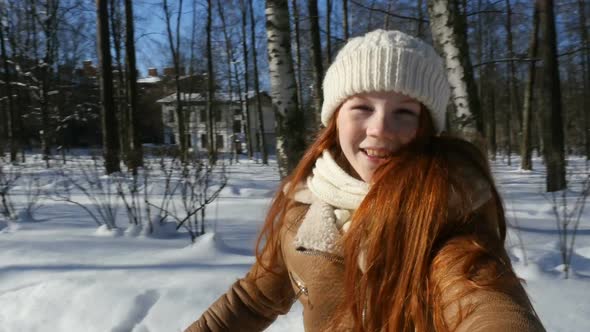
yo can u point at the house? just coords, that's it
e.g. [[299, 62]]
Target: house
[[230, 121]]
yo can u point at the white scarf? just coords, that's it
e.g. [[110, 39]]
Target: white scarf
[[336, 194]]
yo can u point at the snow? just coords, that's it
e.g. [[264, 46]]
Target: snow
[[149, 79], [60, 272]]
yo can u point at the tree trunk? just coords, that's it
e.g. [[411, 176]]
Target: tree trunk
[[174, 50], [246, 84], [386, 24], [299, 81], [120, 93], [318, 69], [136, 150], [291, 143], [525, 148], [586, 86], [514, 98], [345, 20], [11, 116], [448, 24], [420, 29], [230, 58], [110, 139], [261, 130], [212, 146], [50, 30], [328, 30], [552, 117]]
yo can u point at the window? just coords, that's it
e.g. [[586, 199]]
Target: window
[[170, 115], [189, 142], [203, 115], [237, 126], [219, 141], [217, 115], [237, 112], [204, 141]]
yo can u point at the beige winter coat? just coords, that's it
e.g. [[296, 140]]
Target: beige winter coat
[[315, 278]]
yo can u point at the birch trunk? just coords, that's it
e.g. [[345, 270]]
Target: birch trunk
[[525, 148], [289, 122], [447, 25], [552, 122]]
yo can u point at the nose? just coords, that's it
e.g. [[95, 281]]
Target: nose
[[378, 125]]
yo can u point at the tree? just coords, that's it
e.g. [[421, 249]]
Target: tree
[[525, 148], [135, 148], [318, 68], [299, 80], [291, 143], [109, 119], [244, 11], [552, 123], [262, 138], [448, 31], [11, 119], [345, 20], [174, 51], [586, 72], [212, 146]]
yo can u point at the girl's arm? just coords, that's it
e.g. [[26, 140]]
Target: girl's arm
[[251, 304]]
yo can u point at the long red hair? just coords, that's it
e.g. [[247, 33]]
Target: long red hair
[[417, 248]]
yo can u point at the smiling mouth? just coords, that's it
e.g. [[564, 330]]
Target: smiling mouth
[[377, 153]]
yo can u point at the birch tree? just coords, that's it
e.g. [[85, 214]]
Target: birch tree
[[291, 143], [448, 25]]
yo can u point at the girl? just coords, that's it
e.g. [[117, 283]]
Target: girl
[[384, 225]]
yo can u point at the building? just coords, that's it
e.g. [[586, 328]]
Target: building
[[230, 121]]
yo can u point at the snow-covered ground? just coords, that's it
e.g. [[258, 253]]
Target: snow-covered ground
[[61, 273]]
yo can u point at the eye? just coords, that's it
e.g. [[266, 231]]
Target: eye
[[361, 107], [405, 112]]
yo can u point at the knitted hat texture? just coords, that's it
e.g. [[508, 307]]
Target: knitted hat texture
[[387, 61]]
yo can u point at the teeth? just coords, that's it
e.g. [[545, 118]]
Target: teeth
[[377, 153]]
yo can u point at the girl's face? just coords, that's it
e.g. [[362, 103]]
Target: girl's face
[[372, 126]]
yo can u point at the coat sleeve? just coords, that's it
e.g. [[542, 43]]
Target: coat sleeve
[[253, 302], [500, 312]]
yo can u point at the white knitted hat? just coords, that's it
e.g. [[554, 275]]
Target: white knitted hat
[[388, 61]]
